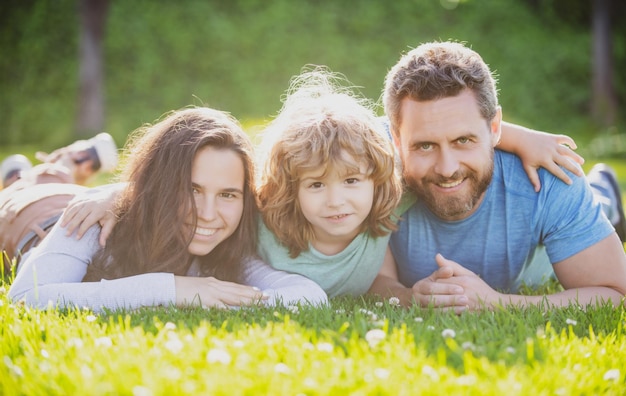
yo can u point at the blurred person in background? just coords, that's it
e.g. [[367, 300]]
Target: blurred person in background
[[34, 197]]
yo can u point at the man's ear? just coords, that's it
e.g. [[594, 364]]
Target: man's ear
[[395, 137], [496, 127]]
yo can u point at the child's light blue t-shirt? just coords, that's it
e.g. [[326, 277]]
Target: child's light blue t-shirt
[[350, 272]]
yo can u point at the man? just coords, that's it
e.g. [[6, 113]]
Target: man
[[33, 198], [478, 225]]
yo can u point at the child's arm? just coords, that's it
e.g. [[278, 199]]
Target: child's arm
[[283, 287], [540, 149], [94, 206]]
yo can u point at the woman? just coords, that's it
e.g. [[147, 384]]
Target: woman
[[186, 231]]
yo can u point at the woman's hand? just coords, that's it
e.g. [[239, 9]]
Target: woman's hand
[[211, 292]]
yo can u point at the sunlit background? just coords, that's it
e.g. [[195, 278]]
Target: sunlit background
[[239, 55]]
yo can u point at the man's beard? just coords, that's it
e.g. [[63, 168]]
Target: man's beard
[[457, 206]]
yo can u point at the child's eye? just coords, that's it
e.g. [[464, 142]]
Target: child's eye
[[352, 180], [316, 185]]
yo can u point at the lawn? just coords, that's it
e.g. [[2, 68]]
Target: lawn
[[354, 346]]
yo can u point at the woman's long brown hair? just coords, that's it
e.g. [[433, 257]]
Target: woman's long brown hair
[[149, 235]]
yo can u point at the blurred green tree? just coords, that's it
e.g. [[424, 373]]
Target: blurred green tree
[[90, 114]]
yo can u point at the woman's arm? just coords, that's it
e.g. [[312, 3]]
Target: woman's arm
[[540, 149], [52, 274], [282, 286]]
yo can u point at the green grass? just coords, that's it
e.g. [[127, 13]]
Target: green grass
[[355, 346], [291, 351]]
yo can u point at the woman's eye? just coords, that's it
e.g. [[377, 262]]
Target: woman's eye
[[195, 190]]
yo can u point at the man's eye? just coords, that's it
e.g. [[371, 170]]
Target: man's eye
[[426, 146], [463, 140]]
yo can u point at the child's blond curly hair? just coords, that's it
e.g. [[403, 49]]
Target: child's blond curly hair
[[319, 121]]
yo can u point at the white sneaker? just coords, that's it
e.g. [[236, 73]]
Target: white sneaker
[[603, 180]]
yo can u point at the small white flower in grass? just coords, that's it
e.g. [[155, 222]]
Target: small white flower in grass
[[571, 322], [611, 375], [310, 383], [86, 372], [3, 290], [16, 370], [510, 350], [90, 318], [75, 342], [541, 332], [468, 345], [170, 326], [448, 333], [369, 313], [429, 327], [282, 368], [379, 304], [142, 391], [325, 347], [430, 372], [395, 301], [466, 380], [239, 344], [378, 323], [381, 373], [375, 336], [293, 308], [419, 319], [45, 353], [50, 305], [218, 355], [174, 345], [104, 342]]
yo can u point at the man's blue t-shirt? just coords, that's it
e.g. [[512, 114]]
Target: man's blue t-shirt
[[503, 240]]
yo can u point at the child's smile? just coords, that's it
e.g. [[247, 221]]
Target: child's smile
[[335, 204]]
